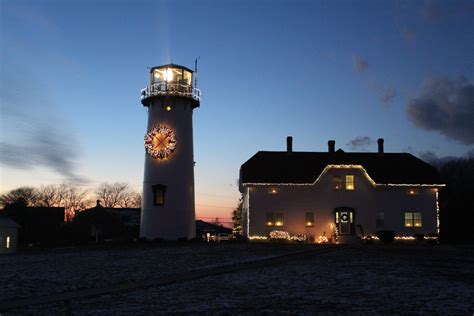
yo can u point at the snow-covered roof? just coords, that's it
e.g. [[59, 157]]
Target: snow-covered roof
[[7, 222]]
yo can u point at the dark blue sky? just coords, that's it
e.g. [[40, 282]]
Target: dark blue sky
[[71, 72]]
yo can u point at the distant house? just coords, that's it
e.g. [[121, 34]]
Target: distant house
[[38, 225], [334, 193], [8, 235], [204, 228], [100, 222]]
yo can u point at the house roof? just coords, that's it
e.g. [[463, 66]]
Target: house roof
[[281, 167], [7, 222]]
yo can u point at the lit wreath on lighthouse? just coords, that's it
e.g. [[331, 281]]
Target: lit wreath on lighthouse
[[160, 142], [168, 183]]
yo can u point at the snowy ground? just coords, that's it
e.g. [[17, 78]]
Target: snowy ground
[[415, 279]]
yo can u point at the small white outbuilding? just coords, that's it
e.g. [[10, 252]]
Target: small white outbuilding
[[8, 235]]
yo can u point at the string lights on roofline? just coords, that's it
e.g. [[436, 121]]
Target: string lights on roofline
[[360, 167]]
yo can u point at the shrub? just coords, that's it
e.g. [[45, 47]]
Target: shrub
[[279, 235], [385, 236], [419, 237], [299, 238]]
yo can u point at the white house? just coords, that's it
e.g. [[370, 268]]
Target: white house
[[8, 235], [338, 194]]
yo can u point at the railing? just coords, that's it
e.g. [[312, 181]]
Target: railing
[[166, 88]]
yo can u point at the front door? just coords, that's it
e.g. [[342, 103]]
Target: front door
[[344, 220]]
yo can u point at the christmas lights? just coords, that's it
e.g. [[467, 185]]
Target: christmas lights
[[360, 167], [279, 234], [437, 211], [160, 142], [299, 238], [257, 237]]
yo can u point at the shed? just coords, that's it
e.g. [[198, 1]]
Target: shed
[[8, 235]]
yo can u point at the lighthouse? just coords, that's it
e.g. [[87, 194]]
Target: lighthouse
[[168, 183]]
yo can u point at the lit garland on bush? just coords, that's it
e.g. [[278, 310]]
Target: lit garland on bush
[[257, 237], [279, 234], [323, 239], [160, 142], [299, 238], [403, 238]]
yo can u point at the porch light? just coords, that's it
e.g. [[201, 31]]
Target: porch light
[[168, 108], [278, 223], [309, 224], [269, 223]]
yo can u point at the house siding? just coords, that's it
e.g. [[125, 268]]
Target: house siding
[[321, 199]]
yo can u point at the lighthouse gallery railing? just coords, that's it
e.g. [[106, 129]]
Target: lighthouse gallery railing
[[165, 88]]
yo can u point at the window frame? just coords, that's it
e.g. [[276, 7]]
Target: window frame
[[336, 179], [279, 219], [379, 220], [413, 220], [309, 220], [347, 182], [157, 188], [270, 219]]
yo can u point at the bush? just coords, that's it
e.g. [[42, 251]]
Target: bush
[[419, 237], [385, 236], [279, 235]]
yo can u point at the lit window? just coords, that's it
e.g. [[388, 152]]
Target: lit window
[[309, 219], [379, 220], [413, 219], [337, 183], [417, 219], [350, 182], [270, 221], [279, 219], [413, 191], [8, 241], [159, 191]]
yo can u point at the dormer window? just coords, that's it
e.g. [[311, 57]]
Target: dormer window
[[336, 183], [350, 182]]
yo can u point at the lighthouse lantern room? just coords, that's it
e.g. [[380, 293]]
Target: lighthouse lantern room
[[168, 185]]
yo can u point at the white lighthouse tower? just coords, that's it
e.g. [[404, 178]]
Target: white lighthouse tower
[[168, 184]]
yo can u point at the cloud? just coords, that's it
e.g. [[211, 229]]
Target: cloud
[[358, 64], [386, 94], [445, 106], [33, 131], [360, 142], [408, 34], [438, 11], [431, 10], [433, 159]]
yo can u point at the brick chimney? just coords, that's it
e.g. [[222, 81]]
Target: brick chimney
[[380, 143], [331, 146], [289, 145]]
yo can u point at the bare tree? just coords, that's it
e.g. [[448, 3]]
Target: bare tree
[[69, 196], [49, 196], [26, 195], [74, 199], [116, 195], [136, 200]]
